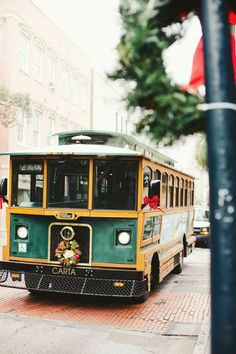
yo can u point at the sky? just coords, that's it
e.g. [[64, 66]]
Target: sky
[[93, 25]]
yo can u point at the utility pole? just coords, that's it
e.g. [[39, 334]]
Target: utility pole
[[221, 136]]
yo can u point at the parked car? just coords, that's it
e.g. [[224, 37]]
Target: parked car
[[201, 226]]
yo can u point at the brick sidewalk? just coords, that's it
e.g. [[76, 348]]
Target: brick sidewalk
[[181, 299]]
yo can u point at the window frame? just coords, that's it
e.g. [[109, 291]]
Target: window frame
[[38, 63], [33, 181], [21, 127], [65, 83], [37, 127], [24, 52]]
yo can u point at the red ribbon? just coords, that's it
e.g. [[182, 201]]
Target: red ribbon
[[1, 202], [153, 202]]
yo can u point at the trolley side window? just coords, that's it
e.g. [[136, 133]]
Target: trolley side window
[[27, 183]]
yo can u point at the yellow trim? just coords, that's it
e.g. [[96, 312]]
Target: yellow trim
[[146, 242], [150, 240], [6, 248], [156, 238], [90, 191], [171, 253], [10, 184], [45, 176], [75, 213], [139, 256], [113, 214], [150, 250], [140, 185], [150, 213], [27, 211], [32, 260], [112, 265]]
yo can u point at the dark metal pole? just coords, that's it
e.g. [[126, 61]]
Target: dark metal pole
[[221, 136]]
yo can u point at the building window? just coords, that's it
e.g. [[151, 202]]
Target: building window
[[37, 128], [38, 65], [75, 91], [52, 73], [64, 84], [84, 97], [51, 130], [24, 53], [21, 127]]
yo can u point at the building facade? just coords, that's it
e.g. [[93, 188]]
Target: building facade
[[38, 59]]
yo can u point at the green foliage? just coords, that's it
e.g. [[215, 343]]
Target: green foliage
[[149, 27], [10, 103]]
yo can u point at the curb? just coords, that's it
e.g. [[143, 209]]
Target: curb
[[202, 345]]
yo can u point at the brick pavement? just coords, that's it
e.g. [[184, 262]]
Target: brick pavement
[[180, 299]]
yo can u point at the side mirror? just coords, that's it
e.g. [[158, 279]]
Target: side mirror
[[207, 214], [154, 188], [3, 187]]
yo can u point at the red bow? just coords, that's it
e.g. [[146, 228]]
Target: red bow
[[153, 202]]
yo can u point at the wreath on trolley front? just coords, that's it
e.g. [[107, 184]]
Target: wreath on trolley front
[[68, 253]]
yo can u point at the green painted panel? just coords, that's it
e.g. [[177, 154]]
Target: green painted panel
[[104, 238], [104, 247], [36, 245]]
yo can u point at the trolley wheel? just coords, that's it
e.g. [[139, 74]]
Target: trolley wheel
[[155, 269], [179, 268]]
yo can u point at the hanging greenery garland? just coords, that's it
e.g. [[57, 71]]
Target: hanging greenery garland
[[150, 27]]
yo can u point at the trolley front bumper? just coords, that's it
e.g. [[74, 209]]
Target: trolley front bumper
[[73, 280]]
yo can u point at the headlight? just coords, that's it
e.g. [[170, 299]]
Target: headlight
[[67, 233], [22, 232], [204, 229], [124, 238]]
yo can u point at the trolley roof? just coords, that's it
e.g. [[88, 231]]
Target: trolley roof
[[76, 149], [108, 138], [98, 144]]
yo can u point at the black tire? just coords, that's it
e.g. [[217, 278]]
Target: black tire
[[154, 273], [179, 268], [185, 244]]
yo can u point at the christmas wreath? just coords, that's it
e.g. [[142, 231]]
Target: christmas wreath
[[68, 253]]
